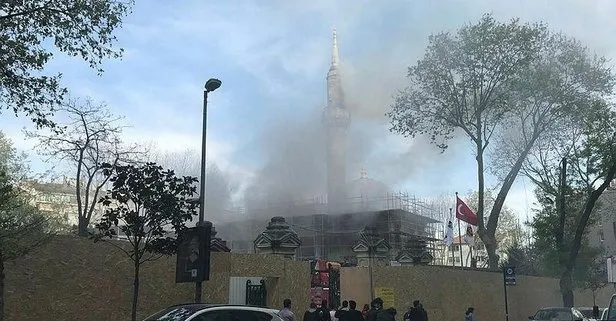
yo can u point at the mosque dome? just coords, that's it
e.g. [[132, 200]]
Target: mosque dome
[[368, 194]]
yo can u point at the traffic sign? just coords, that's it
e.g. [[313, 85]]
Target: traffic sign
[[509, 275]]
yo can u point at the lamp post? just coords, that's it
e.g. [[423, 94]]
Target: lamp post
[[210, 85]]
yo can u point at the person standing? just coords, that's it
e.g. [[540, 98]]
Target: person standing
[[410, 314], [470, 314], [286, 314], [340, 313], [422, 314], [324, 311], [377, 307], [332, 312], [388, 314], [353, 314], [311, 314], [365, 310]]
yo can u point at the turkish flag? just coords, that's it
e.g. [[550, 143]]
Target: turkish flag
[[464, 213]]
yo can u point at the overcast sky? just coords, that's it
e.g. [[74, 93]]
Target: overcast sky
[[272, 57]]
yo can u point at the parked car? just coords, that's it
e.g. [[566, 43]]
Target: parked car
[[558, 314], [213, 312], [611, 309], [587, 312], [604, 314]]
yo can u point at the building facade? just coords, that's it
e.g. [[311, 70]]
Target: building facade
[[603, 233], [58, 198]]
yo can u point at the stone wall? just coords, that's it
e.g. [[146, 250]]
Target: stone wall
[[447, 292], [75, 279]]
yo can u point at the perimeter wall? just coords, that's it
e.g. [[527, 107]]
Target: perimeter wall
[[447, 292], [75, 279]]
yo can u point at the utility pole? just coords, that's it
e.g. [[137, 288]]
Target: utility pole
[[211, 85], [561, 204]]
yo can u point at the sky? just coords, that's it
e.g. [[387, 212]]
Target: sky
[[273, 56]]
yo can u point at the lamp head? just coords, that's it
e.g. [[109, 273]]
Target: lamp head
[[212, 84]]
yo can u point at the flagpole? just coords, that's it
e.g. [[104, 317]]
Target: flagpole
[[471, 249], [453, 254], [459, 235], [460, 246]]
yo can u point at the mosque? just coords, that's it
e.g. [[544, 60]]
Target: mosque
[[328, 227]]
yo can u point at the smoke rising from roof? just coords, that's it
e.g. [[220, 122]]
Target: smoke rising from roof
[[295, 146], [220, 184]]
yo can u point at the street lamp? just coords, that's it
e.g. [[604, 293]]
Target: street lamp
[[210, 85]]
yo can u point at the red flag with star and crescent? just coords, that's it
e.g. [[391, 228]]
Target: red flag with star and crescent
[[464, 213]]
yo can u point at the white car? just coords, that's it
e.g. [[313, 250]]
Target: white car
[[558, 314], [213, 312], [587, 312]]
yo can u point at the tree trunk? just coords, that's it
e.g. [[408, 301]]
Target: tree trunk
[[82, 226], [499, 203], [491, 249], [1, 286], [135, 291], [566, 288], [487, 238]]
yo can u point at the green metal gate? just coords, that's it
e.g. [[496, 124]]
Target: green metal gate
[[256, 294], [334, 286]]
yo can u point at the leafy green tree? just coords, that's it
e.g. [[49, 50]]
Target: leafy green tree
[[488, 81], [526, 259], [596, 278], [80, 28], [23, 227], [150, 206], [571, 171]]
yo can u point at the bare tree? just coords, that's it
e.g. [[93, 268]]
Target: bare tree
[[90, 137]]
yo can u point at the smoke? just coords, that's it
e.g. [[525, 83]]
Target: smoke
[[295, 166], [220, 184], [294, 148]]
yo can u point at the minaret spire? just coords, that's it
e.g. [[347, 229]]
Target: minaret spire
[[335, 55], [336, 119]]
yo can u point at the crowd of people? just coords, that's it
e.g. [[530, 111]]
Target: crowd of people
[[349, 312]]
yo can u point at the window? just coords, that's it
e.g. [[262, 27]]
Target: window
[[233, 315], [173, 314], [611, 314]]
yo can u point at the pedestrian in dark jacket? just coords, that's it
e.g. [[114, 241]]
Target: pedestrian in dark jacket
[[376, 307], [386, 315], [423, 314], [410, 314], [470, 314], [312, 314], [352, 314], [365, 310], [340, 312], [324, 311]]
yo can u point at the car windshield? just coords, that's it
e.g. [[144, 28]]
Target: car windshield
[[587, 313], [553, 315], [179, 313]]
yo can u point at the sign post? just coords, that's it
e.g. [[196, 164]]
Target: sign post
[[508, 280], [193, 256]]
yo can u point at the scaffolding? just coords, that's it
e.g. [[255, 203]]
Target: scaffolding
[[331, 234]]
